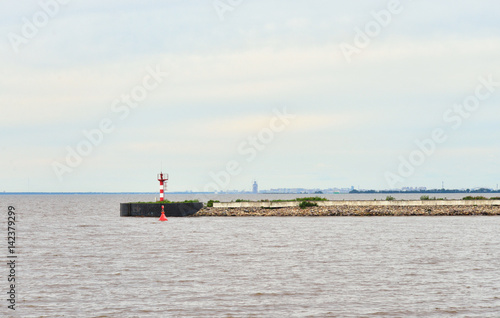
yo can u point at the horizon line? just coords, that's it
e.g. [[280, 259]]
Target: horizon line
[[354, 191]]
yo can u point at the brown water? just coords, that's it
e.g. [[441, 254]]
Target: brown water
[[78, 258]]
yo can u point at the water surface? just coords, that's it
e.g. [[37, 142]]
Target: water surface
[[78, 258]]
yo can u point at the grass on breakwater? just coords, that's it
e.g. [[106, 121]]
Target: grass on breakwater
[[427, 198], [311, 199], [288, 200], [480, 198], [307, 204], [304, 202]]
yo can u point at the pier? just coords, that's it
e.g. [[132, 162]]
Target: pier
[[365, 203], [356, 208]]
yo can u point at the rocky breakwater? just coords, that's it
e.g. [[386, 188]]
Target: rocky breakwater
[[353, 211]]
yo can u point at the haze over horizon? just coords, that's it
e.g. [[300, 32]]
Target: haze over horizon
[[99, 97]]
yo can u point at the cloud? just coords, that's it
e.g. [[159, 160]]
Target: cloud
[[227, 77]]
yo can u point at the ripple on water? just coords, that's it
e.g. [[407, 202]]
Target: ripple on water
[[107, 266]]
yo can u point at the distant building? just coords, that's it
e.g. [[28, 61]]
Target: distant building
[[255, 187], [413, 189]]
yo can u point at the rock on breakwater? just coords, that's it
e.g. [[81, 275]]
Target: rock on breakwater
[[353, 211]]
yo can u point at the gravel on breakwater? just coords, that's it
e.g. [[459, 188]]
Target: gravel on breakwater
[[353, 211]]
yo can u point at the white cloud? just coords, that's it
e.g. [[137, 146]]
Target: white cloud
[[226, 77]]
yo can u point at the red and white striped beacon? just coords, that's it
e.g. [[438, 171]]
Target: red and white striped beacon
[[163, 184]]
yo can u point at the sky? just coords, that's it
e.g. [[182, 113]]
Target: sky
[[101, 96]]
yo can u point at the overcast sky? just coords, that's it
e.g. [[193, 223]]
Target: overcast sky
[[100, 96]]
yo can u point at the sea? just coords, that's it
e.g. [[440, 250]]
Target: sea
[[75, 256]]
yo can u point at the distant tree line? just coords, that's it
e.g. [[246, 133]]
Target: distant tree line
[[481, 190]]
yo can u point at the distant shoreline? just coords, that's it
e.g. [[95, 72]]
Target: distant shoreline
[[92, 193], [355, 192]]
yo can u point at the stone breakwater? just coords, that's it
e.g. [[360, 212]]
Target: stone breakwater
[[353, 211]]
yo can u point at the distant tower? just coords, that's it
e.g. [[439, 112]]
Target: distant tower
[[163, 184], [255, 187]]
